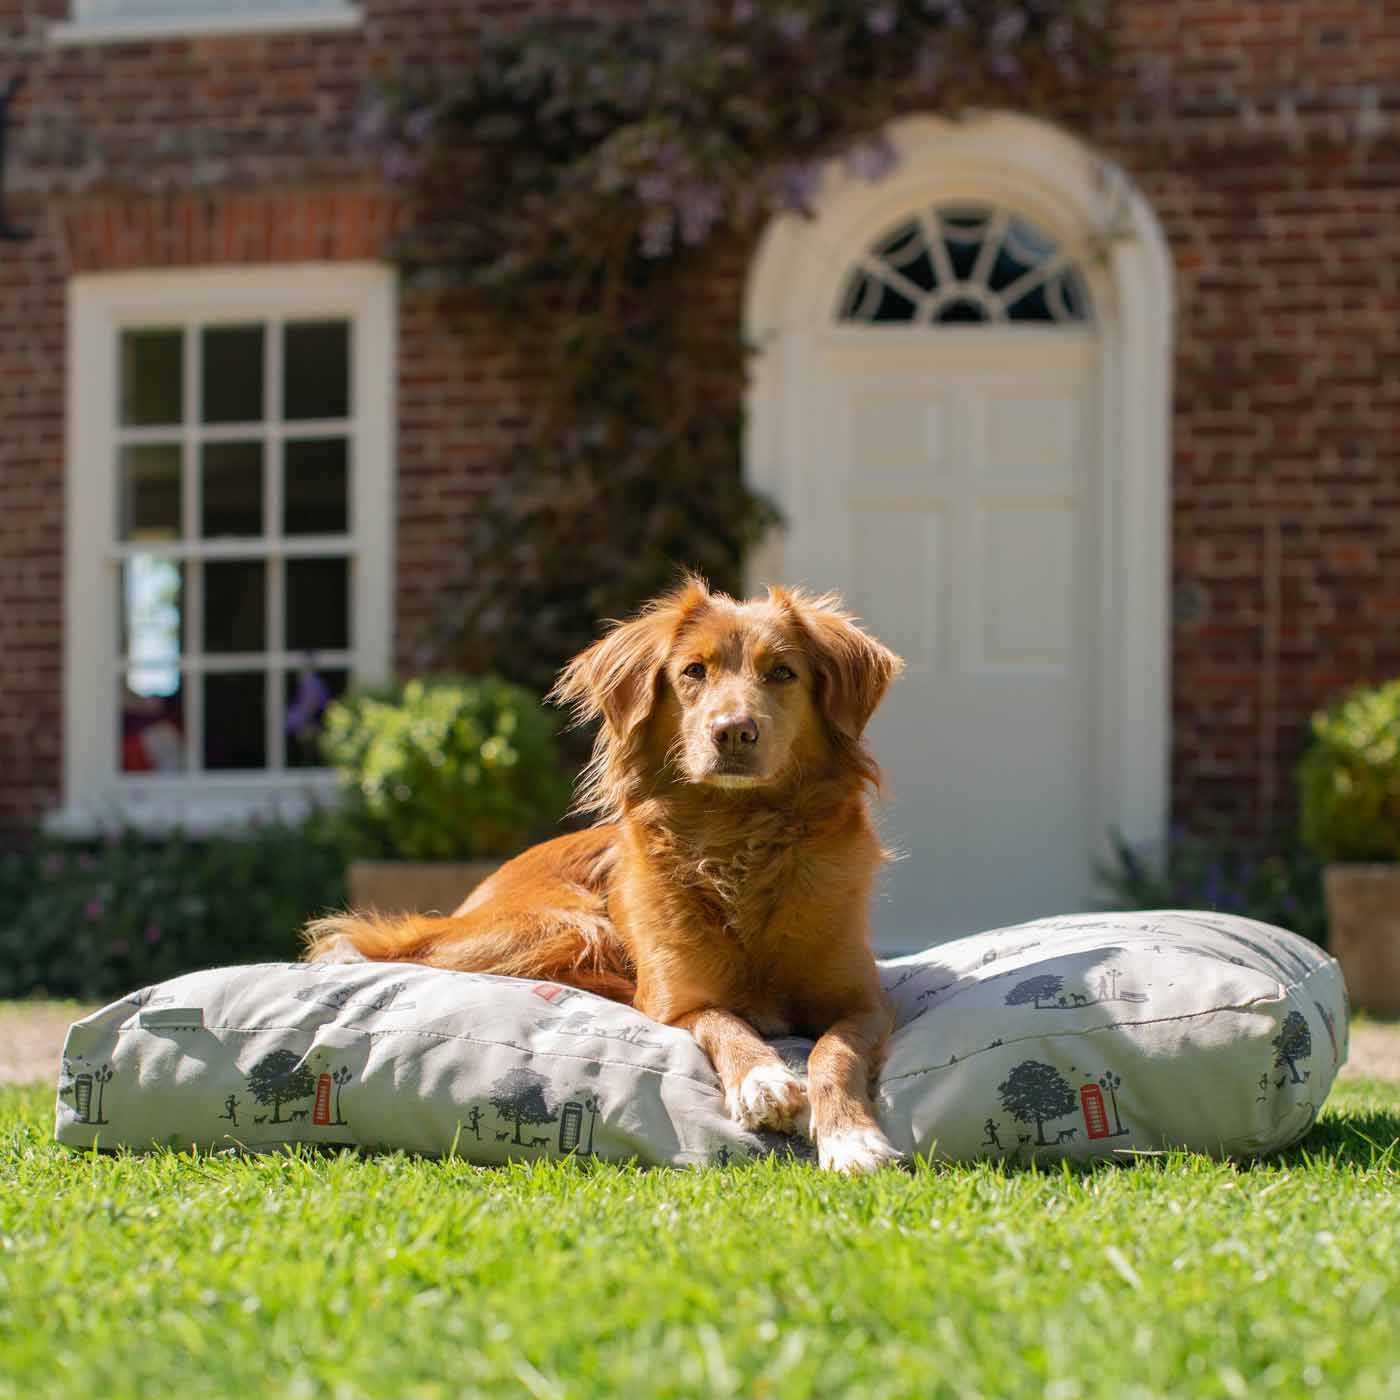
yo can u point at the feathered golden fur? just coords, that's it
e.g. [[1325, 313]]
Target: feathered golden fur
[[726, 889]]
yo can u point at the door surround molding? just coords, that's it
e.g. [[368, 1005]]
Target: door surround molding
[[1094, 211]]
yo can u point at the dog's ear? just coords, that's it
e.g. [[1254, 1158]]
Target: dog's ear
[[617, 676], [853, 670]]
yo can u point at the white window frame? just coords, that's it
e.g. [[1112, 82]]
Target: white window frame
[[118, 21], [97, 794]]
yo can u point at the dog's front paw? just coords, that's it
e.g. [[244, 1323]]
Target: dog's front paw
[[770, 1096], [855, 1150]]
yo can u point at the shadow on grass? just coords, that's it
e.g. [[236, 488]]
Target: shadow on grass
[[1367, 1138]]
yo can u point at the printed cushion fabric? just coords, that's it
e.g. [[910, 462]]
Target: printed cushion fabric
[[1086, 1036]]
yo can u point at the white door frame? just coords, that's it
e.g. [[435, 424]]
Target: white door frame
[[1095, 214]]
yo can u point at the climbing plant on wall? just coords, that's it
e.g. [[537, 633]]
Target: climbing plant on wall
[[585, 182]]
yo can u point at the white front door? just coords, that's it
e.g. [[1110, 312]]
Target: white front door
[[950, 492]]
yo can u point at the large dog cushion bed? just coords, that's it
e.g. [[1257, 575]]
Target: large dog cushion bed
[[1088, 1036]]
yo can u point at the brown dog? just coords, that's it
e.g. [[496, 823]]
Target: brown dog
[[727, 892]]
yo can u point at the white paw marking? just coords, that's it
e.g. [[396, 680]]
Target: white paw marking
[[337, 950], [770, 1096], [855, 1150]]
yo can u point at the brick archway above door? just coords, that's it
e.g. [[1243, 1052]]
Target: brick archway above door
[[990, 491]]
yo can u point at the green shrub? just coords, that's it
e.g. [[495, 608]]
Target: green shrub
[[1350, 778], [449, 769], [1204, 872], [94, 919]]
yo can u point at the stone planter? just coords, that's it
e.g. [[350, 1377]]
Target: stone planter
[[415, 886], [1363, 933]]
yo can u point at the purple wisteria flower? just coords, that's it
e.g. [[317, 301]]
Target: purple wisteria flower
[[658, 234], [873, 160], [882, 19], [797, 186], [701, 208], [93, 910], [418, 125], [153, 934], [793, 25]]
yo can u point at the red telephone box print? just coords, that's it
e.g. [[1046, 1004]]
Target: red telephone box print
[[1095, 1112], [322, 1114]]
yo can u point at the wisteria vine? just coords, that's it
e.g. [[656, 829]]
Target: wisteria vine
[[581, 182]]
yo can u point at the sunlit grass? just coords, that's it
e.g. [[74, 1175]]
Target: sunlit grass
[[346, 1276]]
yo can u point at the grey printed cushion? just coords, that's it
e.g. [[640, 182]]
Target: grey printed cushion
[[1086, 1036]]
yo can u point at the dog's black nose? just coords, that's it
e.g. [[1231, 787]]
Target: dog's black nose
[[730, 731]]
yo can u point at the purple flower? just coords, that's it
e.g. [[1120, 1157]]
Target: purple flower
[[882, 19], [371, 123], [798, 185], [658, 233], [873, 160], [53, 864], [792, 25], [1009, 27], [399, 165], [419, 125], [93, 909], [153, 934], [701, 208], [653, 188]]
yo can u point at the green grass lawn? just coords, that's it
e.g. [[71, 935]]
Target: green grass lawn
[[393, 1276]]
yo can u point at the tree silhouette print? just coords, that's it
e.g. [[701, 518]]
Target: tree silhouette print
[[1035, 1093], [1036, 990], [102, 1077], [1293, 1042], [279, 1078], [521, 1097], [340, 1079]]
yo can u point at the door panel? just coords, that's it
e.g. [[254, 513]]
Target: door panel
[[952, 498]]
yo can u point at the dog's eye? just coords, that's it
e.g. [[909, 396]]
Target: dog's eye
[[696, 671], [781, 673]]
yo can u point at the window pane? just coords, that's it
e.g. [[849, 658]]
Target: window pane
[[318, 604], [235, 720], [234, 613], [308, 692], [315, 496], [153, 376], [232, 489], [152, 610], [233, 374], [316, 370], [152, 721], [150, 492]]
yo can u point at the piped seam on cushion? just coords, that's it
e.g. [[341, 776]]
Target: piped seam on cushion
[[701, 1084], [1095, 1030]]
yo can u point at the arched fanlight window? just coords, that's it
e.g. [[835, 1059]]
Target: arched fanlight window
[[965, 263]]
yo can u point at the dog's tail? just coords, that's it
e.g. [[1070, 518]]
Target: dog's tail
[[571, 946]]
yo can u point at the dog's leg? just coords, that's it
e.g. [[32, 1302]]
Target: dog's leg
[[760, 1091], [838, 1077]]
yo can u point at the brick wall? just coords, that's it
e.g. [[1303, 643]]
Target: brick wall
[[1264, 134]]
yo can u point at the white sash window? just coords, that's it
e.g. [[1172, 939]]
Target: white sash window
[[229, 509]]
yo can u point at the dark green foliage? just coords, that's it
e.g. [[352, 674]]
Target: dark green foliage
[[1350, 778], [584, 182], [98, 918], [1205, 872], [449, 769]]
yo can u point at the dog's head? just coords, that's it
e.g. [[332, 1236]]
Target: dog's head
[[704, 693]]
